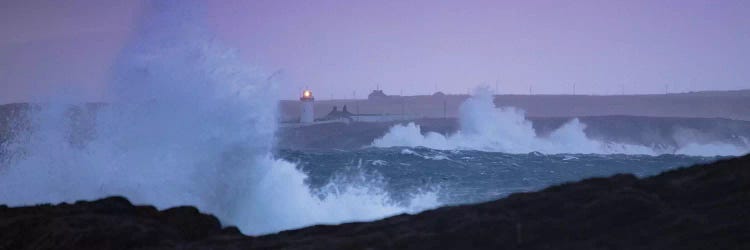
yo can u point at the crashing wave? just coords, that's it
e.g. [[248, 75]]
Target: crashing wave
[[188, 124], [487, 128]]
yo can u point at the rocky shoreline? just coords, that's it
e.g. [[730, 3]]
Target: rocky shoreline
[[699, 207]]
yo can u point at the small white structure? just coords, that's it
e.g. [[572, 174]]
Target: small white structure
[[307, 114]]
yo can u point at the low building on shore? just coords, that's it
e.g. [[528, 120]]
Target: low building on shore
[[307, 113]]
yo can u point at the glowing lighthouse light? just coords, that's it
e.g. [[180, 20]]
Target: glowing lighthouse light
[[307, 114]]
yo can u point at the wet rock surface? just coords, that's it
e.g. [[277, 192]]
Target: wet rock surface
[[700, 207]]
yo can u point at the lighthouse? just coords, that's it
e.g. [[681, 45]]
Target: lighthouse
[[307, 115]]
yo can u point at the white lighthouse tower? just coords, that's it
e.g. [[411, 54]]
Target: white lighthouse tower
[[307, 115]]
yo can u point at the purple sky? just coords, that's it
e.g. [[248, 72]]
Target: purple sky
[[337, 47]]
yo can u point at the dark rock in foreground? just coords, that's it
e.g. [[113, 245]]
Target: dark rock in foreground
[[110, 223], [701, 207]]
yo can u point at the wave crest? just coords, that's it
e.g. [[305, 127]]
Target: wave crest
[[505, 129]]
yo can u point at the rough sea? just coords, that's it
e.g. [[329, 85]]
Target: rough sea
[[470, 176], [187, 122]]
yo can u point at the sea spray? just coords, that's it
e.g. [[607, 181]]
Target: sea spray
[[484, 127], [187, 124], [487, 128]]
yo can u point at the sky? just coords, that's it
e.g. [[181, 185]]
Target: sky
[[341, 49]]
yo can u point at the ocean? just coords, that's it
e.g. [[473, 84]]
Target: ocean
[[470, 176], [187, 122]]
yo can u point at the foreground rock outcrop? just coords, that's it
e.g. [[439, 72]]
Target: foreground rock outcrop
[[700, 207]]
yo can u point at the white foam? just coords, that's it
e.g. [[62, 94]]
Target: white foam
[[379, 163], [506, 129]]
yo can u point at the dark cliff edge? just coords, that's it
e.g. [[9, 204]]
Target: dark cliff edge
[[699, 207]]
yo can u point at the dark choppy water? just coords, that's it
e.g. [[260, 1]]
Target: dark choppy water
[[473, 176]]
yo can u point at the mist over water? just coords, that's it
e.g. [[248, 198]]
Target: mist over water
[[188, 124], [485, 127]]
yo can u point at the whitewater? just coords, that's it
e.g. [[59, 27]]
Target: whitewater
[[187, 124], [485, 127]]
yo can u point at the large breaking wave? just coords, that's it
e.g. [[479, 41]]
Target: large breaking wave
[[188, 124], [485, 127]]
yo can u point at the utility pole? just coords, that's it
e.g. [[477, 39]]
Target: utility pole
[[574, 89]]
